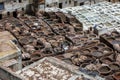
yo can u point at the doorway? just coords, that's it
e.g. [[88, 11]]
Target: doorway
[[75, 3], [20, 1], [60, 5], [8, 13], [82, 3], [0, 16], [15, 14]]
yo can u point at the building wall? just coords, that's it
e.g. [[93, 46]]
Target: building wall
[[65, 3], [12, 5], [80, 1], [51, 1]]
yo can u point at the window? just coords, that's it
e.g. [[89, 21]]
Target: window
[[1, 6], [60, 5], [15, 13], [69, 1], [14, 1], [47, 5], [75, 3], [20, 1], [66, 2], [8, 13], [0, 16], [82, 3], [23, 9]]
